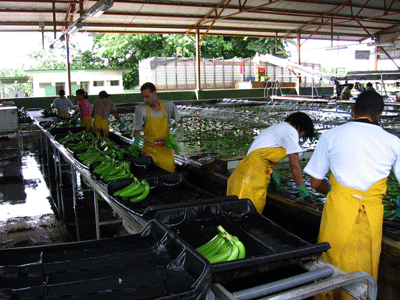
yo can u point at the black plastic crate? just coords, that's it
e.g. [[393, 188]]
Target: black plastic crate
[[268, 246], [391, 229], [154, 264], [145, 167], [165, 191]]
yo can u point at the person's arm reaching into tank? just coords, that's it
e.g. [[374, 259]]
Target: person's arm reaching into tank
[[297, 174]]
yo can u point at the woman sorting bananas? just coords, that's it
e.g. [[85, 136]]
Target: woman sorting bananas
[[251, 177]]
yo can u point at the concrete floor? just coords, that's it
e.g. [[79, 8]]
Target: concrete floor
[[28, 216]]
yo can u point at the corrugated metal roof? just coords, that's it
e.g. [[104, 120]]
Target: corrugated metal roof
[[353, 20]]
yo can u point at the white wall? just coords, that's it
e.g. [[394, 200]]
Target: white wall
[[77, 77]]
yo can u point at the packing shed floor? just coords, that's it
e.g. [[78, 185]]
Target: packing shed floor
[[28, 216]]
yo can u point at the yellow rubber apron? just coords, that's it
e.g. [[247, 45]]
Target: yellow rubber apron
[[63, 114], [252, 175], [87, 121], [353, 228], [100, 124], [156, 131]]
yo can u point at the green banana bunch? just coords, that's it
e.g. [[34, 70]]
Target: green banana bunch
[[89, 153], [69, 137], [133, 150], [121, 172], [104, 165], [222, 247], [391, 209], [82, 145], [134, 192], [85, 135], [98, 156]]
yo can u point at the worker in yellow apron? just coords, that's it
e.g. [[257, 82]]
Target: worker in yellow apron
[[153, 117], [360, 156], [85, 109], [62, 104], [359, 230], [156, 131], [102, 109], [252, 175]]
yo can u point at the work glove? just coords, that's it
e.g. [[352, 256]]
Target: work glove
[[275, 178], [303, 191], [171, 143], [136, 140], [179, 133], [122, 124]]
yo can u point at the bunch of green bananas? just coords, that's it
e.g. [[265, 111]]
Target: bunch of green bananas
[[82, 145], [85, 135], [113, 170], [93, 154], [133, 150], [69, 137], [391, 209], [222, 247], [134, 192]]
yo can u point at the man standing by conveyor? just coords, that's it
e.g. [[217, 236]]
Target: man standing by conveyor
[[153, 117], [360, 156]]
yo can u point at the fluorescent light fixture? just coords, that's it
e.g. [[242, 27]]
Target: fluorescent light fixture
[[380, 44], [336, 48], [99, 8], [95, 11], [73, 28]]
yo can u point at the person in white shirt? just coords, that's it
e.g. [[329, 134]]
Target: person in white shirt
[[369, 87], [63, 104], [359, 156], [252, 175]]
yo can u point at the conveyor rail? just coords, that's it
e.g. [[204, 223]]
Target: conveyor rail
[[352, 283]]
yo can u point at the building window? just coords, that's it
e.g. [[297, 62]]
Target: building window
[[85, 85], [98, 83], [42, 85], [114, 82]]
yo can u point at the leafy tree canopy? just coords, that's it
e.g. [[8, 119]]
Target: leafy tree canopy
[[126, 50]]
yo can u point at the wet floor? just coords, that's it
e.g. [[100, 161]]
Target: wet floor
[[28, 199]]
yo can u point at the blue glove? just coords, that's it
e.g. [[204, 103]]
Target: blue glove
[[275, 178], [303, 191], [122, 123], [136, 140]]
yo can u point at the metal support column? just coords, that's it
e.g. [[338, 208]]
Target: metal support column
[[74, 190]]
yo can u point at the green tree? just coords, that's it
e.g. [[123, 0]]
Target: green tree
[[125, 51], [25, 87]]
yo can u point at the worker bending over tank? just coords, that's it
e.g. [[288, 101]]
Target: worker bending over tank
[[359, 156], [63, 104], [102, 109], [153, 117], [251, 177]]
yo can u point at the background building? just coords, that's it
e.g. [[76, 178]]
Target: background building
[[49, 82]]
